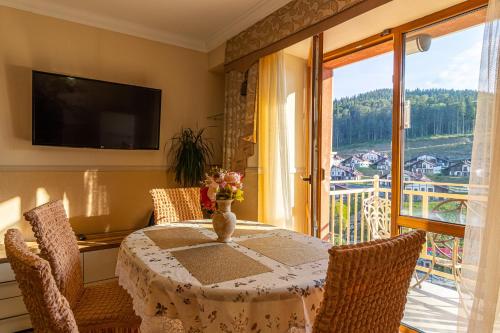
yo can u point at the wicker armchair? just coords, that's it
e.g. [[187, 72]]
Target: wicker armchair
[[49, 310], [176, 204], [102, 307], [366, 285]]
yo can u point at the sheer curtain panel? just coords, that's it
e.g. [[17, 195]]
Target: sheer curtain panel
[[275, 181], [480, 278]]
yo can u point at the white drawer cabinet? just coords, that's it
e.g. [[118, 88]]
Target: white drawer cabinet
[[9, 289], [13, 314], [15, 324], [6, 273], [97, 266], [12, 307]]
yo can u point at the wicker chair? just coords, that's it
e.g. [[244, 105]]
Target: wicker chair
[[366, 285], [49, 310], [101, 307], [377, 213], [176, 204]]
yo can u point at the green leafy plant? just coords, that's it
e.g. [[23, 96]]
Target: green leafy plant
[[191, 154]]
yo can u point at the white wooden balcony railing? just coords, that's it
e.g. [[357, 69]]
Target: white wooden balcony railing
[[349, 225]]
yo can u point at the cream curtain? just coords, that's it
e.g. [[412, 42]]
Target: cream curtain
[[239, 118], [275, 179], [480, 283]]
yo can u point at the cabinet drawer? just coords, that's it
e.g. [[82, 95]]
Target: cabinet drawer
[[6, 273], [99, 265], [11, 307], [9, 289], [15, 324]]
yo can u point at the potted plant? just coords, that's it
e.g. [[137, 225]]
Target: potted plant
[[191, 154]]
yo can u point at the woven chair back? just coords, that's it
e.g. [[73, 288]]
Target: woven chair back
[[49, 310], [58, 244], [367, 284], [176, 204]]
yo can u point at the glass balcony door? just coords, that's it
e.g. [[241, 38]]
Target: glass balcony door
[[439, 94], [358, 89]]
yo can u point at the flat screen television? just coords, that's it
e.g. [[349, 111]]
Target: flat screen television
[[77, 112]]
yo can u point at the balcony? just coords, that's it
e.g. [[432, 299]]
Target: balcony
[[433, 298]]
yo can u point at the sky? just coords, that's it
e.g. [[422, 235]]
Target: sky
[[452, 62]]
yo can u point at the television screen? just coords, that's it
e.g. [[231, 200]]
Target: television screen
[[77, 112]]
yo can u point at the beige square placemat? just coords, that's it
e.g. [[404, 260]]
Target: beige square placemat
[[218, 263], [284, 250], [170, 238]]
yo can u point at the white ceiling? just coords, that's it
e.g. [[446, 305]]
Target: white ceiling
[[196, 24], [389, 15]]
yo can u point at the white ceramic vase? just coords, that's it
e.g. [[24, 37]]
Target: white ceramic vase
[[224, 221]]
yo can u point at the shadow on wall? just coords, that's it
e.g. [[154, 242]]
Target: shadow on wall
[[96, 201]]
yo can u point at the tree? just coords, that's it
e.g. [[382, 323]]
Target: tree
[[367, 117]]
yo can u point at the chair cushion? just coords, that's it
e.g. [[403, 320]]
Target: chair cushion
[[105, 305]]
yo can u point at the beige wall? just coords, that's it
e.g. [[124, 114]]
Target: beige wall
[[190, 92], [97, 201], [216, 58]]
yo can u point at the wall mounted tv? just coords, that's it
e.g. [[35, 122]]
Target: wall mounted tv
[[76, 112]]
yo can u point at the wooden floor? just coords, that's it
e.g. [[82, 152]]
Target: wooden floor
[[432, 309]]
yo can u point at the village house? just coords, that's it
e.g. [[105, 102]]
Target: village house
[[423, 167], [383, 164], [371, 156], [439, 161], [344, 173], [460, 169], [355, 162], [335, 159]]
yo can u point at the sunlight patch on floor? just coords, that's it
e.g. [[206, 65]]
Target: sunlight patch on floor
[[432, 309]]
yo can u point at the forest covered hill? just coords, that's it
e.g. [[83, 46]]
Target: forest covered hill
[[367, 117]]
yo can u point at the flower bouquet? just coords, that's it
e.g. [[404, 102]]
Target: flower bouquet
[[220, 185], [218, 191]]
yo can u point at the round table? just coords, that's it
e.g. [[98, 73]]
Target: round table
[[169, 298]]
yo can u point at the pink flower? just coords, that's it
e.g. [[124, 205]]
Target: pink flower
[[232, 178], [222, 184]]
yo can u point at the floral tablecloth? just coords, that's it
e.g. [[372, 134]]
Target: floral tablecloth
[[169, 299]]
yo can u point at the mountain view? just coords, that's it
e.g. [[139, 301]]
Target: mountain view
[[441, 122]]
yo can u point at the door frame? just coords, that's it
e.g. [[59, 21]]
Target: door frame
[[316, 175]]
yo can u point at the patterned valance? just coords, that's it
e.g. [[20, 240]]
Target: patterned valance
[[289, 19]]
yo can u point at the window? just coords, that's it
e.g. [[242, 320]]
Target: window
[[441, 74], [422, 181]]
